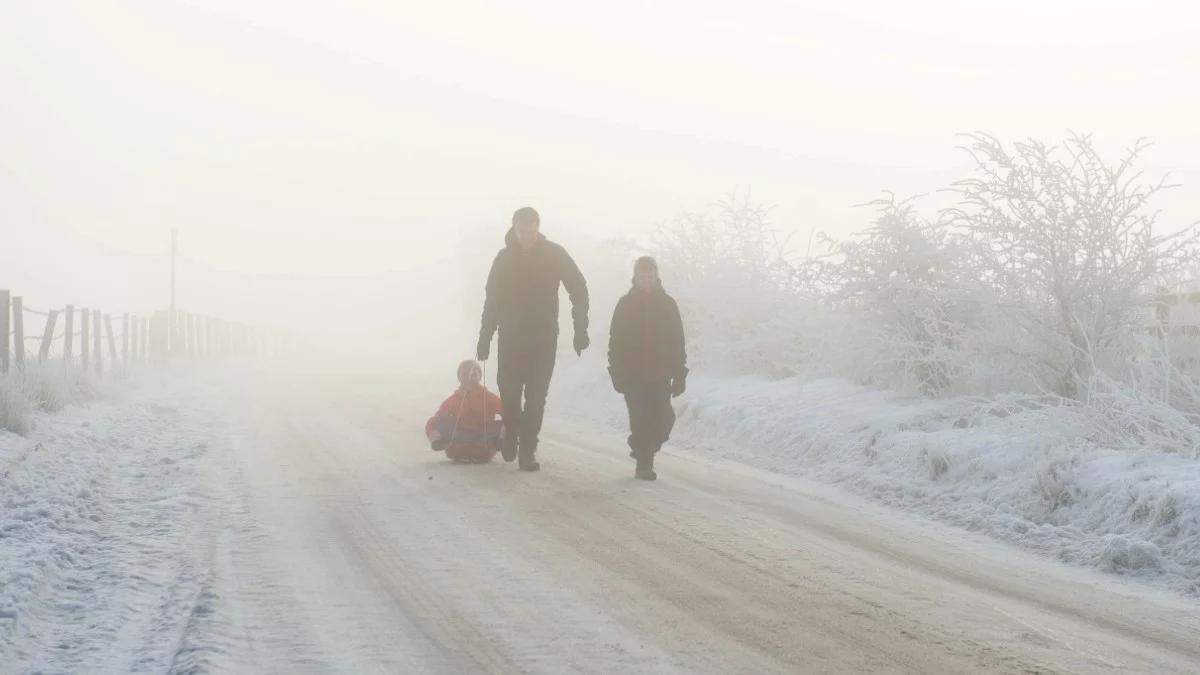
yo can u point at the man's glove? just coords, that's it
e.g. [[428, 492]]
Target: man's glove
[[483, 349], [582, 342], [678, 385]]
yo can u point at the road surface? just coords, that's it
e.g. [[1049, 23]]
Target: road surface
[[345, 544]]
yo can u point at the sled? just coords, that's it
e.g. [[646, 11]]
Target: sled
[[473, 453]]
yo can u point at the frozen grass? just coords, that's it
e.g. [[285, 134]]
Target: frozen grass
[[46, 387], [16, 403]]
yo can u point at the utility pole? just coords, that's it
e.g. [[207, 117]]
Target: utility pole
[[171, 333]]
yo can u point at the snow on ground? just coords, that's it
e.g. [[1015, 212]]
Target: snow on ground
[[103, 535], [1030, 478], [241, 521]]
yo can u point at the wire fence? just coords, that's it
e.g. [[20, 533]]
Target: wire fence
[[96, 341]]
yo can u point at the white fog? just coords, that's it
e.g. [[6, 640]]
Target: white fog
[[907, 377]]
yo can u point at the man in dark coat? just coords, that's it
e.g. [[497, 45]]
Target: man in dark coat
[[648, 362], [522, 303]]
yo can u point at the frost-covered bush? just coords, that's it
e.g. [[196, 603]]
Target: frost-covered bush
[[908, 283], [1040, 276], [1038, 283], [1069, 243]]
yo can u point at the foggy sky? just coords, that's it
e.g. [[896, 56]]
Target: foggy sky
[[332, 161]]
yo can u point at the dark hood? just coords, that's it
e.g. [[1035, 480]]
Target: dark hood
[[510, 239], [658, 287]]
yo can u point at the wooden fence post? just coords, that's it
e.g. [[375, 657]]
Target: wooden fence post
[[85, 338], [152, 337], [125, 340], [181, 328], [173, 332], [155, 330], [69, 335], [112, 344], [193, 346], [193, 336], [184, 346], [148, 334], [48, 336], [96, 338], [189, 339], [164, 335], [4, 303], [18, 321]]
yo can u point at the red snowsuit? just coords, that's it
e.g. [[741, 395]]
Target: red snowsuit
[[467, 419]]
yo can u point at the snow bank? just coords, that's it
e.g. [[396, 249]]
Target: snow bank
[[102, 558], [1026, 475]]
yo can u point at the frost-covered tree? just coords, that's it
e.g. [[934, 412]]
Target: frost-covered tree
[[734, 241], [907, 279], [1069, 239]]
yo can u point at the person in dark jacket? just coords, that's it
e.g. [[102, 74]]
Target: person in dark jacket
[[522, 304], [648, 362]]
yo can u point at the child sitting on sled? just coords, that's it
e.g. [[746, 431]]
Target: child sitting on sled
[[465, 426]]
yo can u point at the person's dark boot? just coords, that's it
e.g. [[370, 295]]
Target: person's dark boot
[[509, 449], [645, 467], [528, 461]]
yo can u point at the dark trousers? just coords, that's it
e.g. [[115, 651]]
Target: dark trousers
[[524, 371], [651, 416]]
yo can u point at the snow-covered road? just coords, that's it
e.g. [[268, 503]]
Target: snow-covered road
[[324, 536]]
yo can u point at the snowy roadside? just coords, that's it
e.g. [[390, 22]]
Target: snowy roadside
[[1029, 477], [104, 548]]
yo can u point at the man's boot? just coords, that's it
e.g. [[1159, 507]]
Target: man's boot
[[645, 467], [528, 460]]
